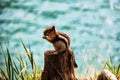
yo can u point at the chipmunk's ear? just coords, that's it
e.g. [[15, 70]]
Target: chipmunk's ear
[[53, 27]]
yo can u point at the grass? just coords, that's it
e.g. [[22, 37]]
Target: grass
[[14, 72], [112, 68]]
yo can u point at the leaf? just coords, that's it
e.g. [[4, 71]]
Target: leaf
[[24, 46], [109, 66], [111, 59], [118, 70], [3, 73], [8, 62], [16, 68]]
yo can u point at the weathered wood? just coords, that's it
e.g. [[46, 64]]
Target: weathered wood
[[58, 66]]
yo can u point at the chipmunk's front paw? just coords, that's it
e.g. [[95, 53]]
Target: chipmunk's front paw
[[50, 52]]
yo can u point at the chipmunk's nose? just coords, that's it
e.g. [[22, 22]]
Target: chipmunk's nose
[[43, 37]]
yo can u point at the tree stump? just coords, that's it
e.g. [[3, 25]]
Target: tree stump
[[58, 66]]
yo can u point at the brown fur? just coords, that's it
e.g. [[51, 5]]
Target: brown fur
[[60, 41], [51, 32]]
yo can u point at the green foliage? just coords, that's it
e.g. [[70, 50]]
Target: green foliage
[[15, 72], [111, 67]]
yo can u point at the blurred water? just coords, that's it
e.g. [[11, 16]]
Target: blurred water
[[93, 25]]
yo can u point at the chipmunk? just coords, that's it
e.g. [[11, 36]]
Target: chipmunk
[[60, 40]]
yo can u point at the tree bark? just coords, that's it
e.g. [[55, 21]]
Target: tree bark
[[58, 66]]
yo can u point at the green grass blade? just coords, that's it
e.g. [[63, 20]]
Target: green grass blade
[[31, 57], [111, 61], [21, 64], [16, 78], [8, 62], [24, 46], [32, 60], [10, 66], [118, 70], [3, 73], [29, 54], [114, 69], [109, 66], [12, 73], [2, 47], [16, 68]]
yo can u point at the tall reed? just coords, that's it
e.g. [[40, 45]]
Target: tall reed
[[14, 72]]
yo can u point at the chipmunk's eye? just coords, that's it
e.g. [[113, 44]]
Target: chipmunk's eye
[[47, 33]]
